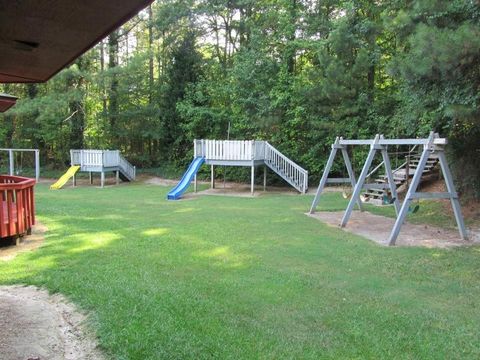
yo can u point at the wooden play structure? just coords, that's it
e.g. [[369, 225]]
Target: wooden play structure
[[17, 206], [97, 161], [433, 150], [14, 167], [247, 153]]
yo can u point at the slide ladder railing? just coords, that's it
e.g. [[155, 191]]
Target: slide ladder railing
[[288, 170]]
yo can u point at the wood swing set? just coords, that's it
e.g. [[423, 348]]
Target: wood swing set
[[433, 145]]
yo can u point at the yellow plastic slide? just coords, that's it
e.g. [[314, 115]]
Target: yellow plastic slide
[[65, 177]]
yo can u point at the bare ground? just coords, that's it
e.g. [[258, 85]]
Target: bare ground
[[377, 228], [28, 243], [39, 326]]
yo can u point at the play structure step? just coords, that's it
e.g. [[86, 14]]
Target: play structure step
[[400, 177]]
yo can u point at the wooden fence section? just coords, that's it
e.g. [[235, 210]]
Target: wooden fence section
[[17, 210]]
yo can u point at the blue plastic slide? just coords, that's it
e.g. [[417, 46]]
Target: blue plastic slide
[[178, 190]]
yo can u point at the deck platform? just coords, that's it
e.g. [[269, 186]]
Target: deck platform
[[251, 153], [103, 161]]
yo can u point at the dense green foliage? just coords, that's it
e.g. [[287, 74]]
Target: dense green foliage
[[294, 72], [246, 278]]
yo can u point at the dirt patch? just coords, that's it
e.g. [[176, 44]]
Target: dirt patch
[[27, 243], [35, 325], [377, 228], [160, 181]]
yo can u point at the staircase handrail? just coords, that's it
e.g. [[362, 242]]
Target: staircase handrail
[[126, 167], [280, 161]]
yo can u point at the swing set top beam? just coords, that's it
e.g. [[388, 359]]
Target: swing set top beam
[[436, 141], [4, 149]]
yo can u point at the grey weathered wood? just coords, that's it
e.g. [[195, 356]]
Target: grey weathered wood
[[102, 179], [264, 178], [351, 174], [324, 178], [252, 183], [408, 198], [391, 181], [37, 165], [454, 197], [361, 180], [212, 177], [436, 141]]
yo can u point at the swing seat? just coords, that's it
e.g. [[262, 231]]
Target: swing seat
[[413, 210]]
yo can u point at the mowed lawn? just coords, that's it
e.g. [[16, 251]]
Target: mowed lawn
[[246, 278]]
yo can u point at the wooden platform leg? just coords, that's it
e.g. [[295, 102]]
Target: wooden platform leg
[[90, 177], [74, 180], [212, 175], [264, 178], [252, 182], [195, 183], [117, 177], [102, 179]]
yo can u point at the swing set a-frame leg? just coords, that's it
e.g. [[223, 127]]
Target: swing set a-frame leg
[[408, 197], [323, 180], [361, 180]]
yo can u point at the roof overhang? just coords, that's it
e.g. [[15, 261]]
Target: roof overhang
[[40, 38], [6, 102]]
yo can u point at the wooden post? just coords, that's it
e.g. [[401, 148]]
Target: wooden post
[[90, 177], [117, 177], [195, 183], [102, 179], [11, 160], [361, 180], [37, 165], [74, 180], [212, 175], [264, 178], [252, 183]]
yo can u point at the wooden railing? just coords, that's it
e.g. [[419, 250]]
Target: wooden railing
[[128, 169], [17, 210], [294, 174], [239, 150]]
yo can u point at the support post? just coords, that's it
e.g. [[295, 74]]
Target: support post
[[90, 177], [351, 174], [37, 165], [391, 181], [453, 194], [117, 177], [195, 183], [11, 162], [252, 182], [264, 178], [411, 190], [324, 178], [212, 177], [361, 180], [102, 179], [74, 180]]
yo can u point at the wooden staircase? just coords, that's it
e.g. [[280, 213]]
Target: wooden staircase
[[401, 176], [287, 169]]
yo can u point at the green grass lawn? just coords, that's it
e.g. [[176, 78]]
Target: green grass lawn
[[246, 278]]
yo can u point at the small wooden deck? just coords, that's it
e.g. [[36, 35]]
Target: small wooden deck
[[17, 205]]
